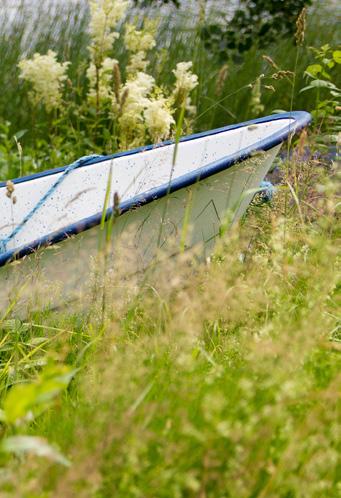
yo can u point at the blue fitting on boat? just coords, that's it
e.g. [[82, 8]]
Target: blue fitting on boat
[[80, 162], [267, 190]]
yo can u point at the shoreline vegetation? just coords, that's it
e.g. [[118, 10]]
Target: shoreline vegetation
[[206, 379]]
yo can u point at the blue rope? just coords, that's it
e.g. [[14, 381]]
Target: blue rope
[[267, 191], [80, 162]]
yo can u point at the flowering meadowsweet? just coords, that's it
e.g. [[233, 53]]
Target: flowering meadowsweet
[[138, 43], [186, 81], [139, 88], [140, 40], [105, 77], [158, 119], [131, 121], [104, 16], [47, 76], [137, 62]]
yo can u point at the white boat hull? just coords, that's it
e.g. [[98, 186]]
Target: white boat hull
[[192, 215], [63, 271]]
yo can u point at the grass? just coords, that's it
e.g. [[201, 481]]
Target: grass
[[221, 380], [216, 380]]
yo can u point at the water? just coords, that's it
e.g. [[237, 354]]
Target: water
[[37, 20]]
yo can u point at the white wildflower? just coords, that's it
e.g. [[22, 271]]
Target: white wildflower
[[137, 99], [190, 108], [104, 76], [137, 63], [46, 76], [140, 41], [138, 88], [158, 119], [104, 16], [131, 121], [186, 81]]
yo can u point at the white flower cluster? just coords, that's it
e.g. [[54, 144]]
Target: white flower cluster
[[137, 62], [159, 119], [138, 90], [185, 82], [104, 16], [104, 75], [46, 76], [146, 109], [131, 121], [138, 42], [142, 110]]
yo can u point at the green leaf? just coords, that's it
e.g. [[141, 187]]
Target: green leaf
[[20, 134], [25, 401], [314, 69], [337, 56], [36, 341], [319, 84], [38, 446], [20, 399]]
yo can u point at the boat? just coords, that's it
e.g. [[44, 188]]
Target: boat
[[160, 197]]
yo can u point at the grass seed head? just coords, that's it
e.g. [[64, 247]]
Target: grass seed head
[[222, 76], [270, 61], [282, 74], [301, 26], [117, 81]]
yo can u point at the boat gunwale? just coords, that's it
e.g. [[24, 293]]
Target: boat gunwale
[[300, 120]]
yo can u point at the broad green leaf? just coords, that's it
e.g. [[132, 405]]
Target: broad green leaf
[[19, 445], [337, 56], [19, 401], [25, 401], [314, 69]]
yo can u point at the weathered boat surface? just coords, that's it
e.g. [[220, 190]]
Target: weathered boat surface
[[214, 173]]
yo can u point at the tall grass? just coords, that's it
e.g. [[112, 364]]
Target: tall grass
[[218, 380]]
